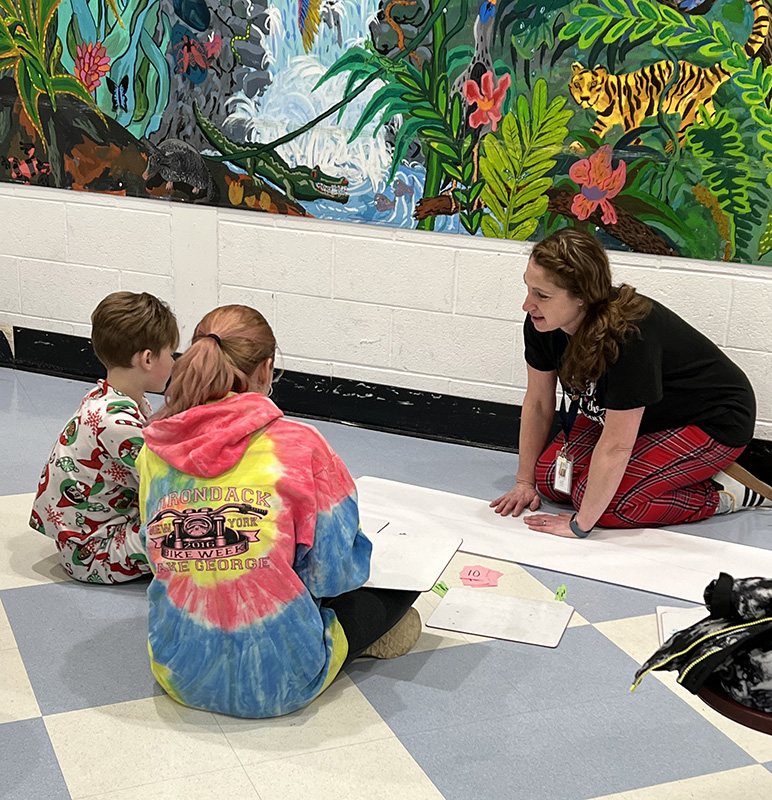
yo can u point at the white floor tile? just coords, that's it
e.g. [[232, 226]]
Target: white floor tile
[[27, 558], [381, 770], [746, 783], [7, 639], [228, 784], [637, 636], [115, 747], [17, 700], [340, 716]]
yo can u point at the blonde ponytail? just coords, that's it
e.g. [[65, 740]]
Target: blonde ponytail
[[228, 346]]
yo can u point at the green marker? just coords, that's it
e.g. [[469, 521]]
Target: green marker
[[441, 588], [561, 593]]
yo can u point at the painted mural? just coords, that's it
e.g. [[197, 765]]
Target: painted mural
[[648, 121]]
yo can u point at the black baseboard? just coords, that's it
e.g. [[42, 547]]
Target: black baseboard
[[371, 405]]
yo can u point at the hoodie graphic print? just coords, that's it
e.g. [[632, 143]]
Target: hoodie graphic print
[[250, 521]]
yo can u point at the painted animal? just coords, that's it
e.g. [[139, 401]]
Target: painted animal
[[629, 98], [299, 183], [26, 169], [179, 166]]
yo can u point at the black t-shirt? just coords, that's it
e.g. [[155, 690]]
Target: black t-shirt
[[678, 374]]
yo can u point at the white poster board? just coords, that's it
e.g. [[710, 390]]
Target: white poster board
[[653, 560]]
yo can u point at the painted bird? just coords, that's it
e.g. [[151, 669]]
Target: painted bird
[[308, 21]]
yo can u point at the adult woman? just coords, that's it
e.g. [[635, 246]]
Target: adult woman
[[253, 534], [663, 410]]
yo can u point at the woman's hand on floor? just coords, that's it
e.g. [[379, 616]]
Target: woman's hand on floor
[[518, 499], [556, 524]]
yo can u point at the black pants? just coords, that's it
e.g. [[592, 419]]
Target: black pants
[[366, 614]]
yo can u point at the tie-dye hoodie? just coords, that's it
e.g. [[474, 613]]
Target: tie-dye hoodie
[[250, 520]]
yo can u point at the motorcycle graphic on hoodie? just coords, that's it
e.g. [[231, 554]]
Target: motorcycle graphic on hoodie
[[250, 520]]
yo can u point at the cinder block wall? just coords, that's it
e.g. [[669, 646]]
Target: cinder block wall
[[432, 312]]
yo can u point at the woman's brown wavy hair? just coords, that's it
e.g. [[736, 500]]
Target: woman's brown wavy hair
[[578, 263]]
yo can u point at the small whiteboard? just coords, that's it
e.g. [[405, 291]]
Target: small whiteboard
[[500, 617], [671, 620], [410, 561]]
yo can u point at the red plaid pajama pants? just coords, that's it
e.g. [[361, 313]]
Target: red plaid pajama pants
[[665, 483]]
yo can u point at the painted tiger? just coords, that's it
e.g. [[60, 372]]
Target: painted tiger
[[629, 98]]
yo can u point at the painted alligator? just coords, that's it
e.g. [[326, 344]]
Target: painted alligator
[[299, 183]]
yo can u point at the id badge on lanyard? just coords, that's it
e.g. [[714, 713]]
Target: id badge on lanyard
[[564, 461]]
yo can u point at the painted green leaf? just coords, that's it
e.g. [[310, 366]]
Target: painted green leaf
[[456, 115], [378, 102], [443, 149], [618, 30], [491, 228], [646, 9], [618, 7], [525, 231], [28, 95], [356, 56], [663, 34], [643, 28], [452, 171], [592, 31], [588, 11], [531, 191], [570, 31], [765, 242]]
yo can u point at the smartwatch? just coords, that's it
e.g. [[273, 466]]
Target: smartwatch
[[576, 530]]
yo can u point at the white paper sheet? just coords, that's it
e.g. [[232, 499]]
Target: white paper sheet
[[502, 617], [653, 560], [409, 560]]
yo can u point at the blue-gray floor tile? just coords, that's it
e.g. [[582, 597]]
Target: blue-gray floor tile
[[82, 645], [751, 527], [421, 691], [582, 751], [471, 471], [599, 602], [28, 766]]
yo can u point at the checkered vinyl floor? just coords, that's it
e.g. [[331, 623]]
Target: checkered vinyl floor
[[459, 717]]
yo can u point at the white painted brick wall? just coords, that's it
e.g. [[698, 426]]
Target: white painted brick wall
[[432, 312]]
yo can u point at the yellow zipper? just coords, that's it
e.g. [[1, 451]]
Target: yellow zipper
[[694, 644], [694, 663]]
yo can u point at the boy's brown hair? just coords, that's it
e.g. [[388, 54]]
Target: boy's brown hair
[[125, 323]]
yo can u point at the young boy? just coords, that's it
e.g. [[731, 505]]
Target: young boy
[[87, 498]]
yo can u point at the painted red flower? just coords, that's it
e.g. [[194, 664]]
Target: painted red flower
[[213, 45], [599, 183], [91, 63], [488, 102]]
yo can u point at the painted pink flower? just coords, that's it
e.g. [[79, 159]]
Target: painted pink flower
[[488, 102], [599, 183], [91, 63]]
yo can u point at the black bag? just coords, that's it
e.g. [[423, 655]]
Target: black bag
[[734, 642]]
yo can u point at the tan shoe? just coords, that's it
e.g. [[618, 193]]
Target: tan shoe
[[749, 480], [399, 640]]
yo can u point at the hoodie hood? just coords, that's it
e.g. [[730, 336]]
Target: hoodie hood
[[208, 440]]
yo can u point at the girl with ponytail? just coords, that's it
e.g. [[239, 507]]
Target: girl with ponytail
[[651, 410], [252, 529]]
